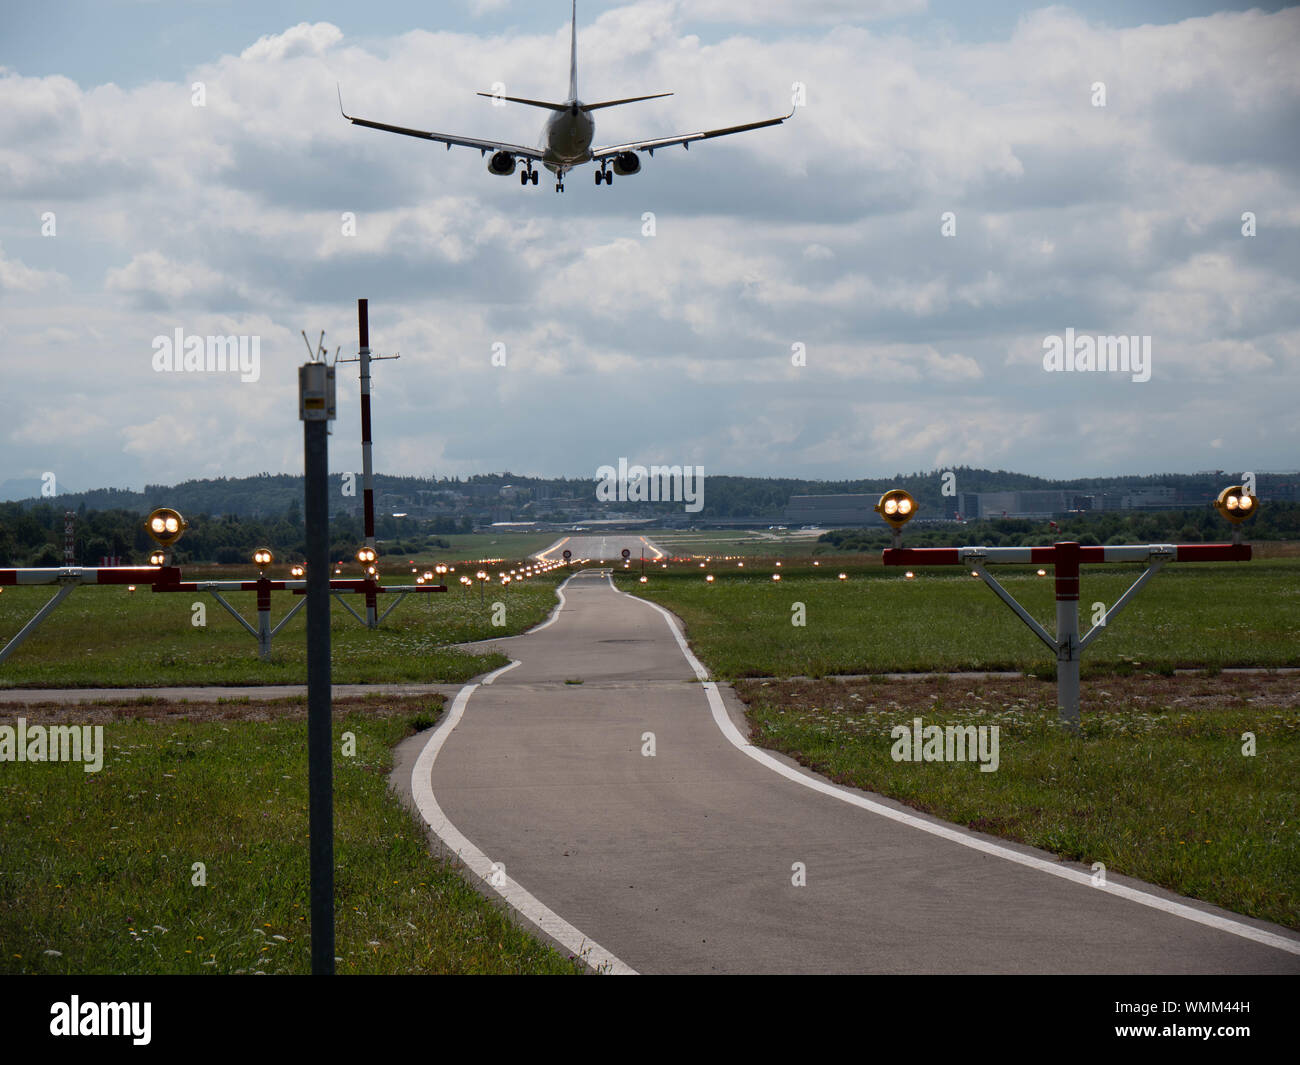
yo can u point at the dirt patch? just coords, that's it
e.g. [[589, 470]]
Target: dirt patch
[[1147, 691], [151, 709]]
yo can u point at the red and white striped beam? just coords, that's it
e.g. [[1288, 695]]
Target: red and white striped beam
[[83, 575], [168, 579]]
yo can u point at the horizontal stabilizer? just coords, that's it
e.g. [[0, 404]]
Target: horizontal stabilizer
[[628, 100], [531, 103]]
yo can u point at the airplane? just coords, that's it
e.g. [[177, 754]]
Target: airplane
[[567, 134]]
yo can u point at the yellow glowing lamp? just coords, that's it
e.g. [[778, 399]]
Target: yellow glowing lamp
[[166, 526], [896, 507], [1236, 504]]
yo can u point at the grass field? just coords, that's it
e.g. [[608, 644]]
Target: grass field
[[1189, 616], [107, 636], [98, 867], [1157, 787], [747, 543], [489, 545]]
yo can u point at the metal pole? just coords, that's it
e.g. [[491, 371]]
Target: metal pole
[[320, 767], [367, 464], [35, 623], [1068, 652], [263, 617]]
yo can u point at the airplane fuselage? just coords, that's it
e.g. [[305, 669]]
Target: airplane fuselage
[[567, 136]]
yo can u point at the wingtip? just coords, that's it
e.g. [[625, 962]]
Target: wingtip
[[338, 88]]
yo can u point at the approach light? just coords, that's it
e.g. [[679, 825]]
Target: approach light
[[741, 565], [130, 587], [778, 563], [263, 557], [371, 571], [776, 576], [367, 555], [158, 558], [815, 563], [481, 575], [1236, 504], [298, 571], [439, 569], [645, 580], [896, 507], [1042, 573], [909, 575], [166, 526], [844, 576], [709, 578]]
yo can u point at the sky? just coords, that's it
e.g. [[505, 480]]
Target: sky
[[868, 288]]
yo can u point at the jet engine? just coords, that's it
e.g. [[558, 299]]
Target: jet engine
[[626, 163], [502, 163]]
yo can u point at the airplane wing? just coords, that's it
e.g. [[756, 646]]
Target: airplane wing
[[444, 138], [684, 139]]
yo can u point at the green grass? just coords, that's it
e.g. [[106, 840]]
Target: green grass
[[1154, 792], [107, 636], [98, 867], [1188, 616], [488, 545]]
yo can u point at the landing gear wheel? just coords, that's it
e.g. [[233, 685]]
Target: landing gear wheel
[[533, 174], [523, 177], [599, 177], [609, 177]]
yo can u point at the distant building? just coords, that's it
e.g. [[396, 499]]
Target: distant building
[[833, 511]]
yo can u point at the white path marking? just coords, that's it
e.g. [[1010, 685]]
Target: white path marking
[[953, 835], [514, 894]]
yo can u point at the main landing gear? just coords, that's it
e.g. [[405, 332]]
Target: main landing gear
[[607, 176], [525, 176]]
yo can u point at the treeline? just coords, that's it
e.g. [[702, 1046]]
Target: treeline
[[1277, 521], [268, 496], [34, 536]]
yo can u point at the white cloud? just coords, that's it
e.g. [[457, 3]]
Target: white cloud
[[825, 231], [304, 39]]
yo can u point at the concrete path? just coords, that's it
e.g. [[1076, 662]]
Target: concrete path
[[683, 862]]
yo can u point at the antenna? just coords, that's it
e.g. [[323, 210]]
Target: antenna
[[321, 354]]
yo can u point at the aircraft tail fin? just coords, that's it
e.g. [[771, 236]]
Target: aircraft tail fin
[[573, 54]]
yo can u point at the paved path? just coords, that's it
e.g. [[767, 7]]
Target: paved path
[[682, 862]]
